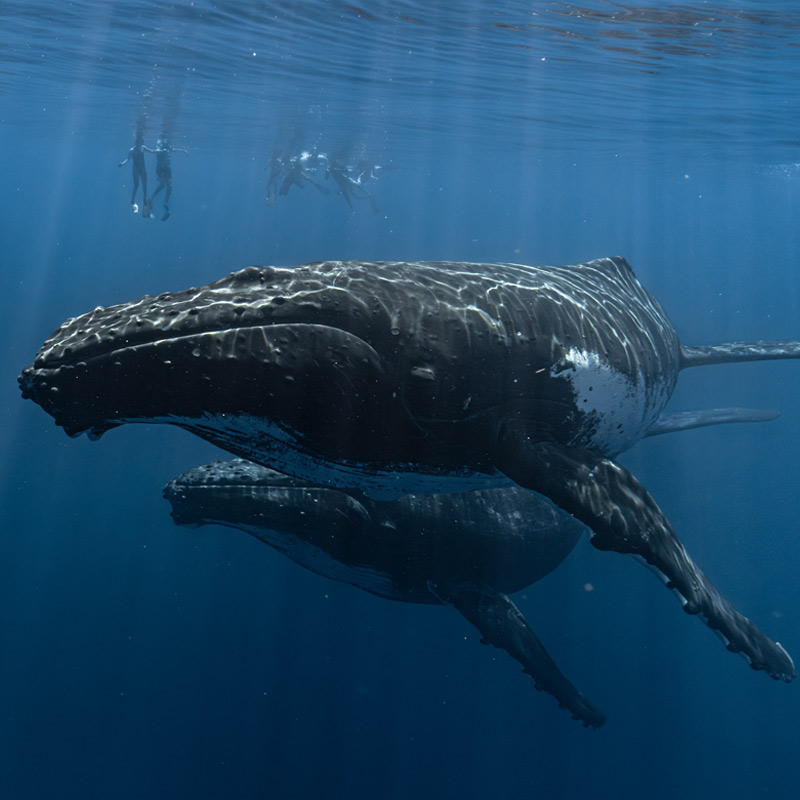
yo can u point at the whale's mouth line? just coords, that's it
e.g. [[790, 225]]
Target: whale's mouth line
[[71, 356], [260, 489]]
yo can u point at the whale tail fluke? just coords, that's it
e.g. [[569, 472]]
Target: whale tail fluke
[[735, 352]]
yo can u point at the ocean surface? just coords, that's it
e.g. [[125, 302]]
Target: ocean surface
[[142, 660]]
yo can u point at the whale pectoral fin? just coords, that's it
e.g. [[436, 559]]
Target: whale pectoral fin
[[501, 624], [623, 517]]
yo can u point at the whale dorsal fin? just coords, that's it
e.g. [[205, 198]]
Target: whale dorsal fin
[[614, 266]]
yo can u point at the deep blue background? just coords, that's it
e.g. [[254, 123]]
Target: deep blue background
[[140, 660]]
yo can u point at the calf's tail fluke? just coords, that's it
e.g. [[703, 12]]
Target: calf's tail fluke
[[734, 352]]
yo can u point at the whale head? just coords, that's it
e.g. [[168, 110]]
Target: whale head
[[246, 347], [266, 503]]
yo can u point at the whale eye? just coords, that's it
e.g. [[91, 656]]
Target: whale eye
[[426, 373]]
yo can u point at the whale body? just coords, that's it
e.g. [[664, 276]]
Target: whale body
[[394, 378]]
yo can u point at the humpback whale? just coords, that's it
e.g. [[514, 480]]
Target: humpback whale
[[469, 549], [427, 377]]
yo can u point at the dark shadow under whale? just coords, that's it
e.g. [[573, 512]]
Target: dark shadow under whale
[[397, 378]]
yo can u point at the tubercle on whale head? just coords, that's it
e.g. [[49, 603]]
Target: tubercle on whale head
[[223, 304], [45, 387]]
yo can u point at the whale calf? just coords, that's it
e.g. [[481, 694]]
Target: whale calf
[[469, 549], [426, 377]]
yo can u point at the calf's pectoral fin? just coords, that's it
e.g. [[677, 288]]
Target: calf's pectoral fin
[[501, 624], [623, 517]]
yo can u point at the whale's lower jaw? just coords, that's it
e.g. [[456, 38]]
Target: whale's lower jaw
[[266, 443]]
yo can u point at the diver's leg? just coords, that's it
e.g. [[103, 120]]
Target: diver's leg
[[166, 201], [158, 189]]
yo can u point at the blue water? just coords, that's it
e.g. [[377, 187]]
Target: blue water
[[139, 660]]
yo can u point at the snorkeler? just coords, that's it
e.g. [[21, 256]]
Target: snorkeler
[[338, 172], [136, 154], [350, 186], [300, 170], [164, 172], [277, 172]]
